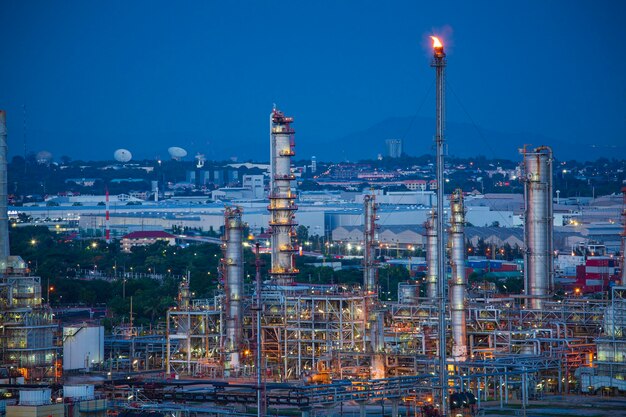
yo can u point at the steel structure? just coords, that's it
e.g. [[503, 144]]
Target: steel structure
[[458, 280], [282, 205], [538, 224], [29, 336], [303, 325], [194, 338], [232, 271]]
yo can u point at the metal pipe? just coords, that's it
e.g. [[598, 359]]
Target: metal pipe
[[232, 263], [431, 256], [538, 224], [4, 218], [457, 282], [439, 63], [282, 205]]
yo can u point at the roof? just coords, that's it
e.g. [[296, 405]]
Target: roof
[[149, 234]]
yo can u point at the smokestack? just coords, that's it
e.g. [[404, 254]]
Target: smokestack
[[431, 256], [232, 265], [439, 63], [457, 282], [4, 217], [538, 220], [370, 271], [282, 201]]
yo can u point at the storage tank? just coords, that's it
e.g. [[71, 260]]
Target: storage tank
[[83, 345], [35, 396]]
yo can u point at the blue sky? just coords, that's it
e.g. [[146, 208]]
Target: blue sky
[[94, 76]]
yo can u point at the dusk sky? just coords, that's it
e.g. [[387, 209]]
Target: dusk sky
[[145, 75]]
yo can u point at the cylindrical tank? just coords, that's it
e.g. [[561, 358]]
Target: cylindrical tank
[[538, 220], [35, 396], [457, 281], [431, 256], [78, 392], [4, 219]]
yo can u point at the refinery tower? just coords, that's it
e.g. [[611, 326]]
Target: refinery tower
[[282, 205]]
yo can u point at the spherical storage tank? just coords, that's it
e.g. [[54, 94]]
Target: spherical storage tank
[[122, 155]]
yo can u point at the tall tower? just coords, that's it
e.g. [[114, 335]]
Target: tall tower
[[457, 281], [623, 246], [4, 217], [538, 220], [232, 264], [282, 205], [439, 63], [370, 270]]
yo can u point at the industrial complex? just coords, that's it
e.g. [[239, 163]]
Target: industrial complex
[[277, 345]]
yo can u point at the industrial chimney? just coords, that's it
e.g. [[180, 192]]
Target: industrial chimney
[[538, 225]]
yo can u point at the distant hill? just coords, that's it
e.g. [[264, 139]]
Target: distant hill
[[463, 140]]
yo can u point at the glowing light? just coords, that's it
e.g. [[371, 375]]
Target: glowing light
[[436, 42]]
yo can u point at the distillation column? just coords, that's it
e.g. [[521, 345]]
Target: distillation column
[[538, 219], [431, 256], [370, 270], [374, 315], [232, 264], [4, 218], [282, 201], [457, 281], [623, 246]]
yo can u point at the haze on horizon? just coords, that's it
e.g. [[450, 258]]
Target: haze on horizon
[[146, 75]]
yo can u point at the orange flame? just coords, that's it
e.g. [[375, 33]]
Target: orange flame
[[436, 42]]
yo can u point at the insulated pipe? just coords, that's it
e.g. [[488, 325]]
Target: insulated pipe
[[538, 225], [431, 256], [370, 272], [457, 281], [282, 201], [233, 269], [4, 218]]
